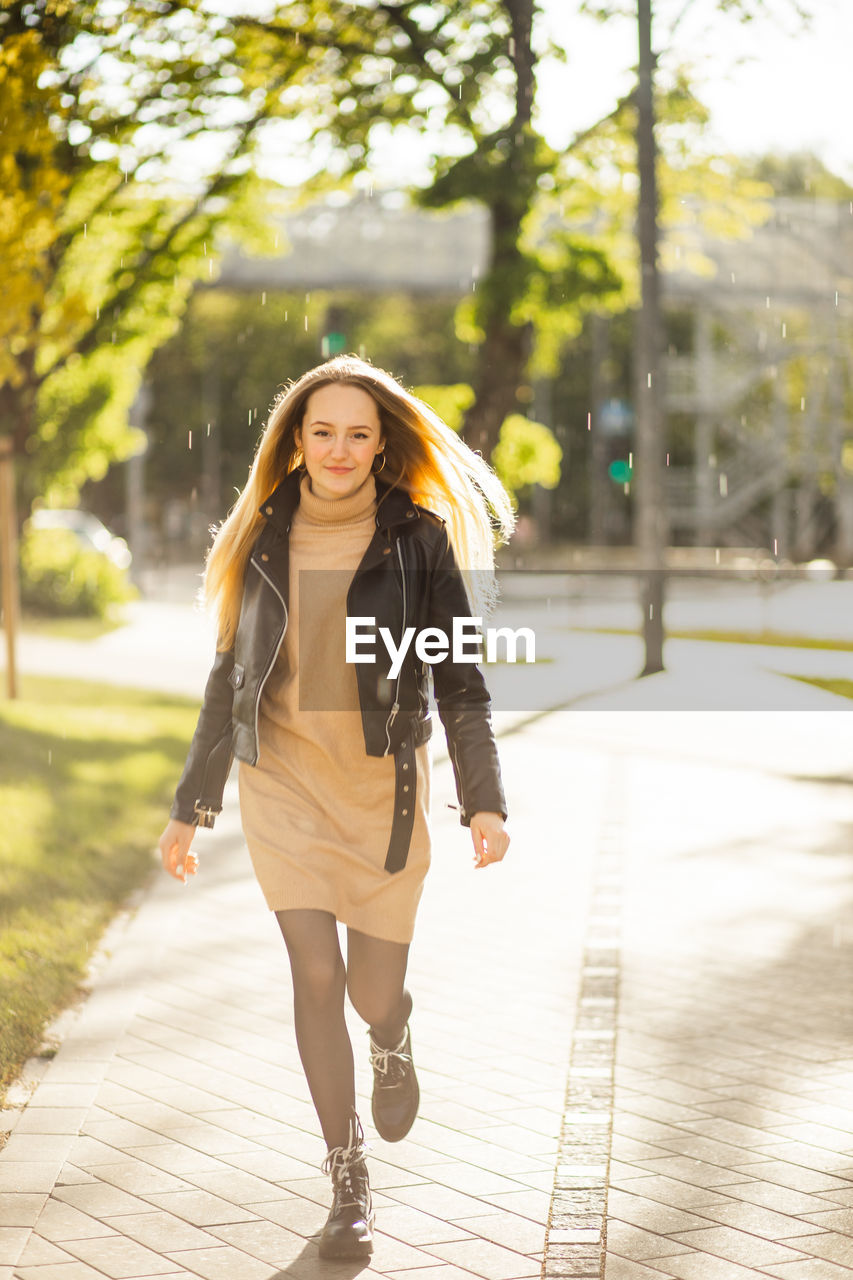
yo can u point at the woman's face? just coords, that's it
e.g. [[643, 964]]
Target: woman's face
[[339, 438]]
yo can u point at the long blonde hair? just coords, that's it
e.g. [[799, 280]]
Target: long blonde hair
[[423, 456]]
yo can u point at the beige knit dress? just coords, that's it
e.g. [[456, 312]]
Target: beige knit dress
[[316, 809]]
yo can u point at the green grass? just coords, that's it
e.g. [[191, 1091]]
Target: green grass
[[779, 638], [87, 772], [844, 688]]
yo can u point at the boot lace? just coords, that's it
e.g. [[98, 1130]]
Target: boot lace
[[347, 1167], [390, 1063]]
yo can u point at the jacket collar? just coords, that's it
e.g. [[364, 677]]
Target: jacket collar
[[393, 505]]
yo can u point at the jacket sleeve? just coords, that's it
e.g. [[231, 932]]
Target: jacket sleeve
[[464, 706], [198, 797]]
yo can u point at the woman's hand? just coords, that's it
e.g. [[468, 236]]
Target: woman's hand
[[490, 836], [175, 849]]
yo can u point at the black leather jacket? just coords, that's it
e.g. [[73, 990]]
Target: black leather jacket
[[407, 577]]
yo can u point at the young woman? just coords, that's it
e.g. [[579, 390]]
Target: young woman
[[362, 504]]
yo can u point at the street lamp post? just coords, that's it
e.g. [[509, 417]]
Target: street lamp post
[[650, 529]]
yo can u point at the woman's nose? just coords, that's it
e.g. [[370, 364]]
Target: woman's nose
[[339, 447]]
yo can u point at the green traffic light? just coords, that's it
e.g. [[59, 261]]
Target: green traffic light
[[620, 471], [334, 343]]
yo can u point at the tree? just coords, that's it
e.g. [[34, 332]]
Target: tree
[[125, 93], [95, 105]]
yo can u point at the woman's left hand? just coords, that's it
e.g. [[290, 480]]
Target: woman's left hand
[[490, 836]]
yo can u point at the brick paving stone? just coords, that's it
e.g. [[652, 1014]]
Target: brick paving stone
[[59, 1221], [414, 1227], [21, 1209], [433, 1271], [28, 1175], [774, 1196], [834, 1219], [696, 1172], [813, 1269], [444, 1202], [680, 1195], [473, 1180], [118, 1257], [528, 1204], [737, 1246], [832, 1245], [175, 1158], [223, 1263], [701, 1266], [763, 1222], [72, 1176], [264, 1240], [161, 1231], [50, 1120], [12, 1241], [644, 1211], [38, 1252], [236, 1186], [486, 1259], [816, 1158], [618, 1268], [100, 1200], [630, 1241], [795, 1176], [70, 1270], [505, 1229], [139, 1178], [198, 1207]]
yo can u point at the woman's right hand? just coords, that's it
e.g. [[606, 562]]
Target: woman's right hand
[[175, 849]]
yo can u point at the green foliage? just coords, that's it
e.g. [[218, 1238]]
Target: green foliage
[[596, 192], [449, 402], [60, 577], [527, 453], [113, 208]]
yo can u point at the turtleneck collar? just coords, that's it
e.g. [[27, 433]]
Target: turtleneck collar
[[336, 511]]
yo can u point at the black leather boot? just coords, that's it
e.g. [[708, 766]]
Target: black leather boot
[[396, 1095], [348, 1232]]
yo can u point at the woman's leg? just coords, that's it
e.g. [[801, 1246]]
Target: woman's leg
[[376, 976], [319, 987], [376, 973]]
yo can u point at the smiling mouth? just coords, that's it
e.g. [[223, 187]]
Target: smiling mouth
[[340, 470]]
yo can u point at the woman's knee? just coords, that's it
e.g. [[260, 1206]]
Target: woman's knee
[[320, 979], [379, 1006]]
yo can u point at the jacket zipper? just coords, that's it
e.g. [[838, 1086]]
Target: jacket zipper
[[396, 706], [271, 662]]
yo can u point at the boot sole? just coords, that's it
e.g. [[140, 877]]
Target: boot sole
[[342, 1252]]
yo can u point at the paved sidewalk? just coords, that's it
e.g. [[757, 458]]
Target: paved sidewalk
[[732, 1144], [674, 918], [172, 1135]]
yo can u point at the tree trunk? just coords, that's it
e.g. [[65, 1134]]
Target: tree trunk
[[499, 381]]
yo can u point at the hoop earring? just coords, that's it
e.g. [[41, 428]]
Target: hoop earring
[[375, 469]]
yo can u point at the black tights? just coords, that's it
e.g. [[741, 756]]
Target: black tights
[[374, 977]]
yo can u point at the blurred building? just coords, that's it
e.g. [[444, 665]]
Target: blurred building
[[758, 386]]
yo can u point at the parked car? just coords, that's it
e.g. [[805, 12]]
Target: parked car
[[88, 529]]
